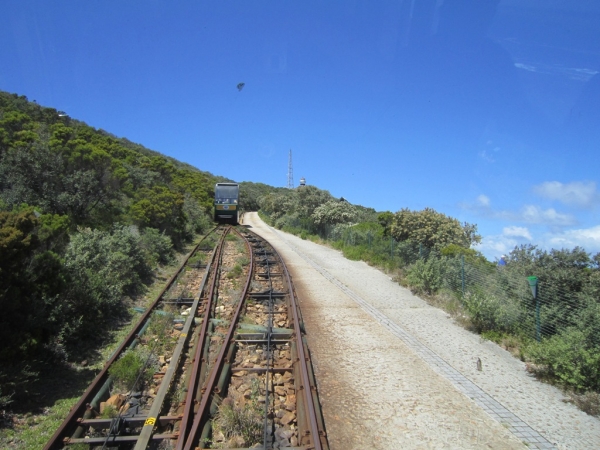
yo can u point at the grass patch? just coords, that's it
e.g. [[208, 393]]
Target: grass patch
[[244, 261], [31, 432], [239, 424], [231, 237], [198, 258], [132, 370], [235, 272]]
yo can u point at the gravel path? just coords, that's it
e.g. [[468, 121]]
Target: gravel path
[[396, 372]]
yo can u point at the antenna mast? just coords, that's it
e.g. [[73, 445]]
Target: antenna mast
[[290, 173]]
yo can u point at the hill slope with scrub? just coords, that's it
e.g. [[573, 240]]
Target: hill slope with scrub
[[85, 220]]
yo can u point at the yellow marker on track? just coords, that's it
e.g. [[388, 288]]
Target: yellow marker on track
[[150, 421]]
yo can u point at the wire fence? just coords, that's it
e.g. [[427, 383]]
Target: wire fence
[[497, 297]]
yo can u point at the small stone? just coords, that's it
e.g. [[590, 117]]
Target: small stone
[[284, 443], [282, 433], [116, 400], [288, 418], [279, 390], [290, 403]]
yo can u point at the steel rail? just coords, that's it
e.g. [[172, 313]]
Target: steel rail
[[305, 384], [206, 400], [146, 434], [70, 424], [194, 379], [307, 400]]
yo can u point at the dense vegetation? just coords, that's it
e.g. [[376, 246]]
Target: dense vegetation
[[85, 217]]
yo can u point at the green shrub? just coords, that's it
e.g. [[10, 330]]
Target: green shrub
[[568, 357], [488, 312], [5, 400], [425, 276], [157, 247], [103, 267], [355, 253]]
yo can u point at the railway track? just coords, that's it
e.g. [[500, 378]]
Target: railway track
[[222, 362]]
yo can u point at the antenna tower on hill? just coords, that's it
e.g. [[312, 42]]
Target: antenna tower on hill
[[290, 173]]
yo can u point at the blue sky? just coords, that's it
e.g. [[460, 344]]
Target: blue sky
[[485, 110]]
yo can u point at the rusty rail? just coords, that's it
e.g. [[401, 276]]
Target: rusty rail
[[194, 380], [194, 434]]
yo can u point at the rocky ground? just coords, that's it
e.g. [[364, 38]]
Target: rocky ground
[[395, 372]]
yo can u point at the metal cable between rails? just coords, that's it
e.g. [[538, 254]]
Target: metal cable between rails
[[268, 351]]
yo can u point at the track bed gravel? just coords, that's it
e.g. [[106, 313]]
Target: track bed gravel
[[378, 392]]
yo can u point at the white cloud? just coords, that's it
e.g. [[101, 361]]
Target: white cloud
[[535, 214], [527, 214], [574, 73], [588, 238], [483, 200], [489, 152], [578, 193], [517, 232], [495, 246]]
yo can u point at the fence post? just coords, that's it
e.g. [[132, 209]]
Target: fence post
[[533, 284], [462, 273]]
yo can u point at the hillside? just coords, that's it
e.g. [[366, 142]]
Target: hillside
[[85, 219]]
